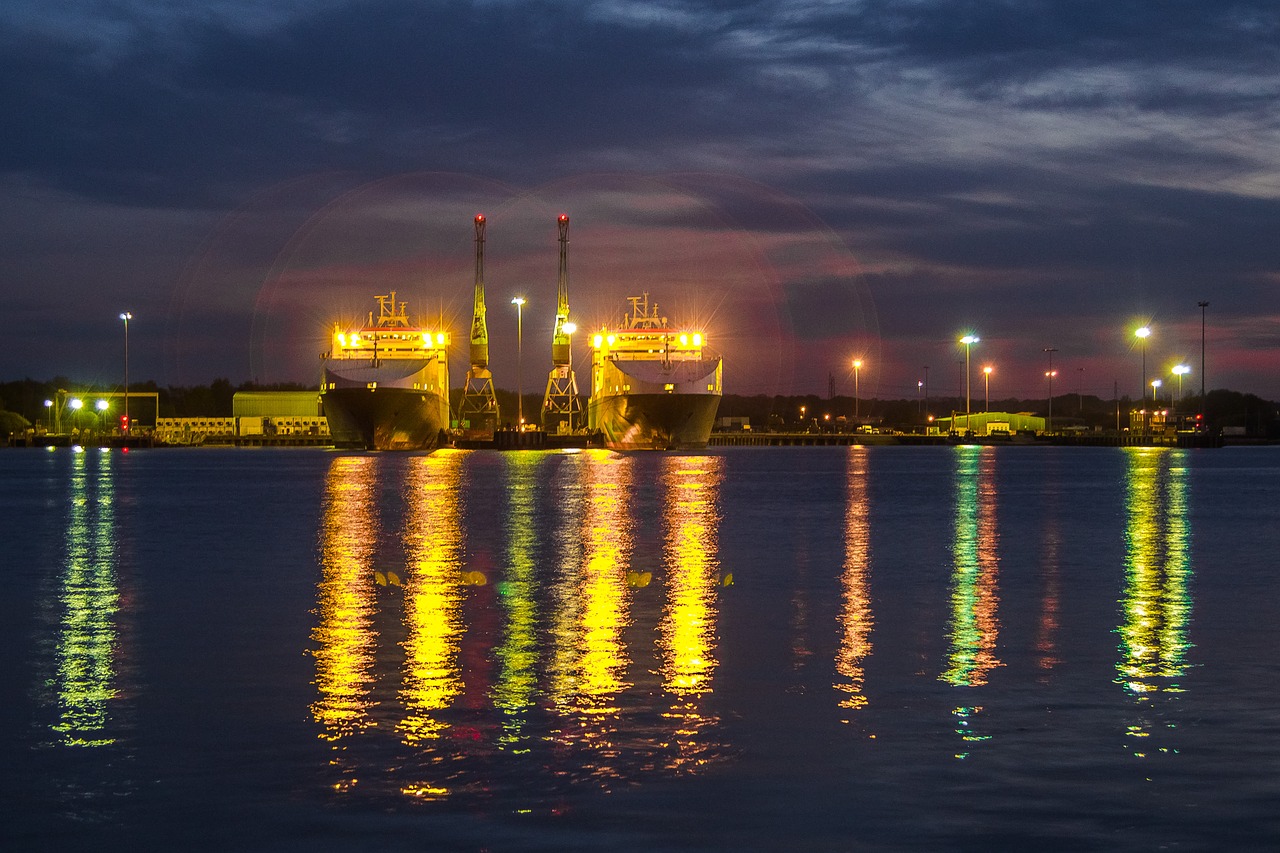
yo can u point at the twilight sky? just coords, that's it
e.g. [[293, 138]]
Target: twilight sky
[[810, 180]]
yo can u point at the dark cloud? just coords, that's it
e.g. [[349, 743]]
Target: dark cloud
[[984, 161]]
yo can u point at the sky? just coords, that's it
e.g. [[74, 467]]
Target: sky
[[807, 182]]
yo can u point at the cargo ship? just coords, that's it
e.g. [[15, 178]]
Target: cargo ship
[[652, 387], [385, 386]]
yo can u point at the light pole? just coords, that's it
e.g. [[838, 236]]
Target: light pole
[[926, 393], [1142, 333], [1180, 370], [986, 378], [1203, 401], [857, 368], [920, 398], [968, 340], [518, 301], [1048, 424], [126, 316]]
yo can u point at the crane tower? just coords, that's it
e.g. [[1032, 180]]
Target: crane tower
[[478, 410], [562, 407]]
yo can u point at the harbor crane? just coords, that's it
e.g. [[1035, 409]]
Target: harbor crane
[[478, 409], [561, 406]]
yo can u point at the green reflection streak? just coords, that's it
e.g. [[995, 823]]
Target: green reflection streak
[[973, 628], [513, 694], [855, 613], [345, 636], [432, 594], [1156, 606], [90, 597]]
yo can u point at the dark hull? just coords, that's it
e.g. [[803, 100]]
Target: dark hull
[[386, 418], [654, 421]]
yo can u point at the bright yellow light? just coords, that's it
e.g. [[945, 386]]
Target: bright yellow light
[[517, 301], [857, 364], [597, 341], [342, 339], [355, 340], [1142, 332], [77, 403], [569, 328], [609, 340], [684, 340], [987, 370], [102, 405], [970, 339], [440, 338], [697, 339], [1181, 370]]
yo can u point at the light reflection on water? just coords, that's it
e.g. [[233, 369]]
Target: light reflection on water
[[575, 644], [855, 614], [1156, 606], [346, 603], [563, 697], [974, 624], [688, 628], [87, 638]]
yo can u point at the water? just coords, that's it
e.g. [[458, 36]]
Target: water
[[760, 649]]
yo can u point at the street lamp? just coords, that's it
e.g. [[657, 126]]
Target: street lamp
[[1203, 401], [968, 340], [857, 367], [126, 316], [518, 301], [1142, 333], [986, 378], [1155, 394], [1180, 370], [1048, 424]]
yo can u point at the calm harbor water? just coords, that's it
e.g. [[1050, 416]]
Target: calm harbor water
[[954, 648]]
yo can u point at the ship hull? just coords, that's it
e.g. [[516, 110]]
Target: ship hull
[[385, 418], [654, 421], [398, 405]]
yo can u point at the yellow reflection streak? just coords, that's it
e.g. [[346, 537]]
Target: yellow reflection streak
[[513, 694], [433, 595], [1156, 606], [855, 613], [974, 625], [687, 630], [87, 640], [345, 634], [602, 589], [588, 661]]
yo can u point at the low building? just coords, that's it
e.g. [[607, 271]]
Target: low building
[[991, 423]]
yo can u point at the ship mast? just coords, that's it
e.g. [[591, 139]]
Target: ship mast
[[478, 410], [562, 407]]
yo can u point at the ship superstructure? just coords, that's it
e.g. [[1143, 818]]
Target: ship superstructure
[[385, 385], [653, 387], [561, 405], [478, 409]]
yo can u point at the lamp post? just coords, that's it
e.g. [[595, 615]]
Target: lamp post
[[968, 340], [857, 368], [1180, 370], [518, 301], [926, 393], [986, 378], [1142, 333], [1048, 424], [1203, 400], [126, 316]]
